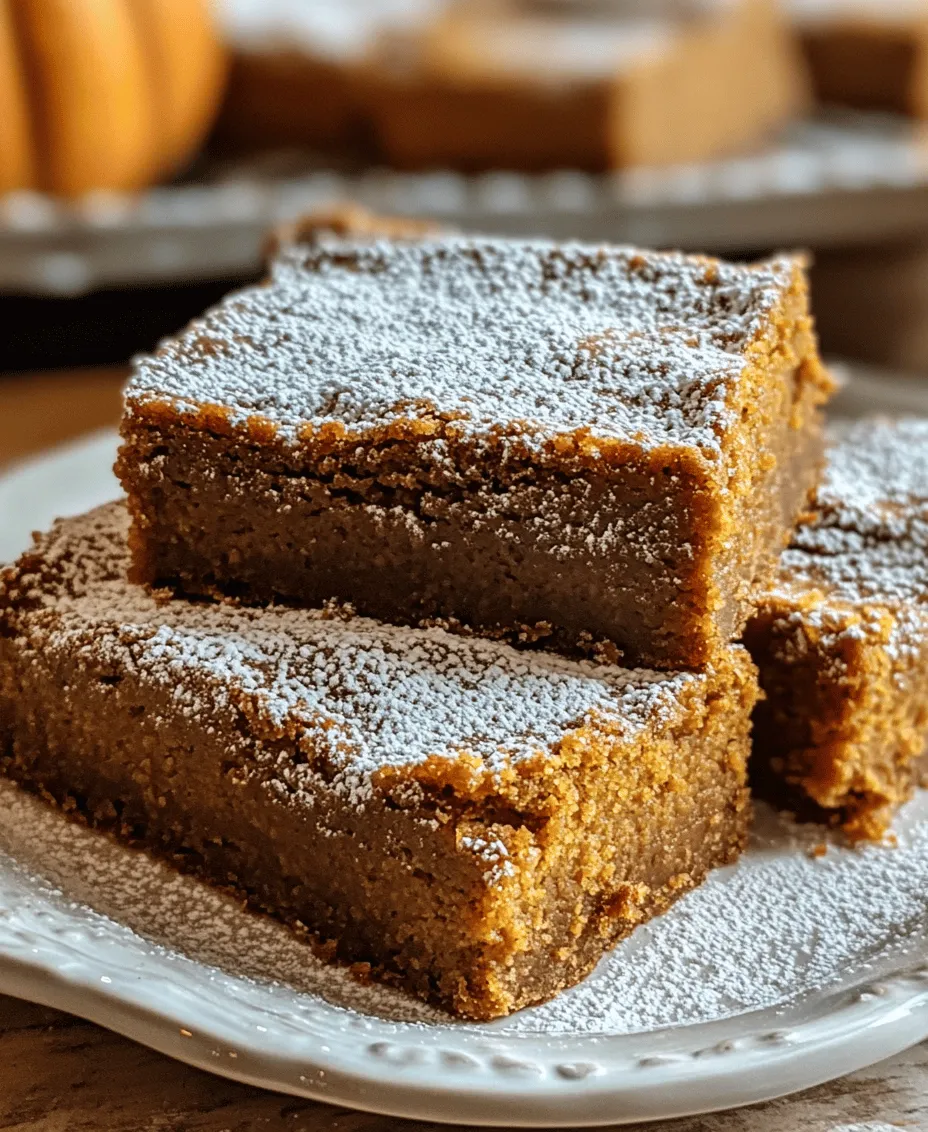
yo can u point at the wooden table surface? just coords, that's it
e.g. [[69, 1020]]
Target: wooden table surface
[[60, 1074]]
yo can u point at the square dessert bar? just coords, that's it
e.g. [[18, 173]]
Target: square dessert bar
[[298, 66], [842, 639], [477, 822], [515, 85], [570, 443], [869, 54]]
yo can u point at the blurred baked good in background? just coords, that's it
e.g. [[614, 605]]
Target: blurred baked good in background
[[668, 123], [532, 86], [297, 67], [869, 54], [515, 84], [104, 94]]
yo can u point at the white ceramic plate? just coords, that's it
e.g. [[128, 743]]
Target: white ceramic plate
[[781, 972]]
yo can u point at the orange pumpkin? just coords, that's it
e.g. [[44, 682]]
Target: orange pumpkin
[[104, 94]]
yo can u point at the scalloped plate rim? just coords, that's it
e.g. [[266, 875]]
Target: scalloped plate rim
[[871, 1033]]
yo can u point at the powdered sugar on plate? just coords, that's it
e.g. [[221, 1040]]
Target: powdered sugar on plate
[[784, 921], [781, 922]]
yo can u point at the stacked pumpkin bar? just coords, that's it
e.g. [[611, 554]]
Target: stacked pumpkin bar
[[532, 464], [841, 638]]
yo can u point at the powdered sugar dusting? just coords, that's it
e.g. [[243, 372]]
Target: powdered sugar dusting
[[874, 466], [859, 570], [782, 922], [357, 694], [500, 336], [869, 540]]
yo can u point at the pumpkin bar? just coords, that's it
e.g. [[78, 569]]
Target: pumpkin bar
[[537, 86], [868, 54], [476, 822], [594, 447], [841, 640], [297, 65]]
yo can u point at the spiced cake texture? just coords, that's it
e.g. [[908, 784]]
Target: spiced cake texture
[[841, 640], [477, 822], [868, 54], [591, 86], [575, 444]]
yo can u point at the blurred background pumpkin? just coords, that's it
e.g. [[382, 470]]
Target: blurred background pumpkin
[[147, 146], [104, 94]]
